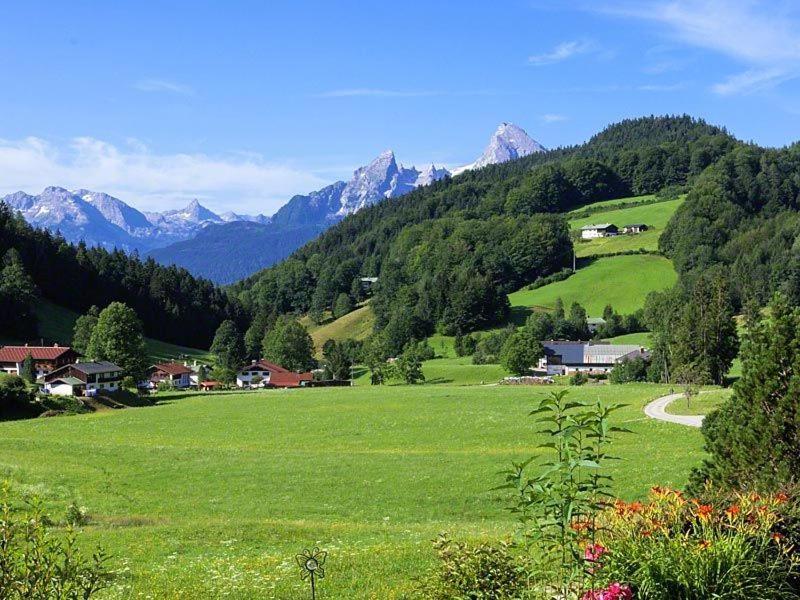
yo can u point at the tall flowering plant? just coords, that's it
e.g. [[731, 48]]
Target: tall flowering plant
[[558, 503]]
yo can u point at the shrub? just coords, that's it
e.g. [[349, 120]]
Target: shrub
[[673, 547], [629, 370], [76, 515], [476, 571], [579, 379], [39, 562]]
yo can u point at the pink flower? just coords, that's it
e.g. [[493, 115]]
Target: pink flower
[[615, 591], [594, 552]]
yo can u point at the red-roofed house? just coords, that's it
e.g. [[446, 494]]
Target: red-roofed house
[[176, 374], [262, 373], [45, 358]]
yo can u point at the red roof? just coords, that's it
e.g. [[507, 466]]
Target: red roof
[[17, 354], [265, 365], [286, 378], [173, 368]]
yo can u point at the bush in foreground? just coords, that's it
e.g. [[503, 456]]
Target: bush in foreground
[[38, 562]]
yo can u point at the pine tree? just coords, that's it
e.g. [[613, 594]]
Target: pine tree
[[28, 369], [228, 346], [754, 438], [343, 306]]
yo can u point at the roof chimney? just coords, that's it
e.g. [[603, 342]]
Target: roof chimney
[[55, 345]]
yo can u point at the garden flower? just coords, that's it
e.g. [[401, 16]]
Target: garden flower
[[704, 544], [594, 552], [704, 511], [615, 591]]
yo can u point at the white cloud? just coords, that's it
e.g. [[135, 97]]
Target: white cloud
[[552, 118], [764, 36], [162, 85], [560, 53], [150, 181]]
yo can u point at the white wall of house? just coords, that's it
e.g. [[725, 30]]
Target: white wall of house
[[61, 389], [245, 378], [590, 234]]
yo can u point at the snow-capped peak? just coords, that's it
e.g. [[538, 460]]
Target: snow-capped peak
[[508, 142]]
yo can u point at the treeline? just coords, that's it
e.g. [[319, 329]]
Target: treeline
[[741, 217], [447, 252], [173, 305]]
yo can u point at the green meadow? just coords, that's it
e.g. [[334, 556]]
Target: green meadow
[[654, 215], [212, 495], [622, 281]]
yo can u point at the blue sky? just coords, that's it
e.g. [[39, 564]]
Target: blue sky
[[242, 104]]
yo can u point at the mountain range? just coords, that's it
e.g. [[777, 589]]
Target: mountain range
[[230, 246]]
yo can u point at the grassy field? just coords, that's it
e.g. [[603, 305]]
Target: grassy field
[[642, 338], [655, 216], [356, 325], [56, 324], [622, 281], [212, 495], [702, 404]]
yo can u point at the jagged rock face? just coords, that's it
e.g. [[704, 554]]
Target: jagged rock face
[[508, 142]]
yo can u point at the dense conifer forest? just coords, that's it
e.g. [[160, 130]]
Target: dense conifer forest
[[173, 305]]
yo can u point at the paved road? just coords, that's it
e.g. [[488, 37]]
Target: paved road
[[657, 410]]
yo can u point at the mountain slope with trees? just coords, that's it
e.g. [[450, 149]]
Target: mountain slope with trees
[[446, 255], [173, 305]]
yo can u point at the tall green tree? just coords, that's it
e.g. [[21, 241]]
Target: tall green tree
[[754, 438], [28, 369], [289, 345], [342, 306], [409, 365], [521, 352], [17, 296], [228, 346], [254, 336], [118, 337], [84, 326]]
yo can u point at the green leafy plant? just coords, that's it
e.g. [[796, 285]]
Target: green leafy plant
[[558, 506], [476, 571], [40, 562]]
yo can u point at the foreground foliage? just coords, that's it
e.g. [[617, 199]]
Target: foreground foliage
[[39, 562]]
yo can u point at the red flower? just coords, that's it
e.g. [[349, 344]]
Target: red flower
[[594, 552]]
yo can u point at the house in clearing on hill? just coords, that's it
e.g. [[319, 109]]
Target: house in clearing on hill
[[634, 228], [176, 374], [262, 373], [45, 358], [83, 379], [567, 358], [590, 232]]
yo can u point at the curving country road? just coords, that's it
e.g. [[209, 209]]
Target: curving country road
[[657, 410]]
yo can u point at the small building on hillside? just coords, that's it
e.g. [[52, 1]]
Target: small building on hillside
[[563, 357], [634, 228], [368, 283], [594, 323], [83, 379], [45, 358], [176, 374], [590, 232], [263, 373]]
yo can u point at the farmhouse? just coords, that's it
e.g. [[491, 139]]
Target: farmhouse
[[83, 379], [566, 358], [594, 323], [45, 358], [262, 373], [634, 228], [589, 232], [176, 374]]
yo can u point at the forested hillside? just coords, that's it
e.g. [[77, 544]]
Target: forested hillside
[[740, 220], [446, 255], [173, 305]]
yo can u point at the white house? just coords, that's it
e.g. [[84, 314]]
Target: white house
[[83, 379], [177, 374], [589, 232], [567, 358], [262, 373]]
